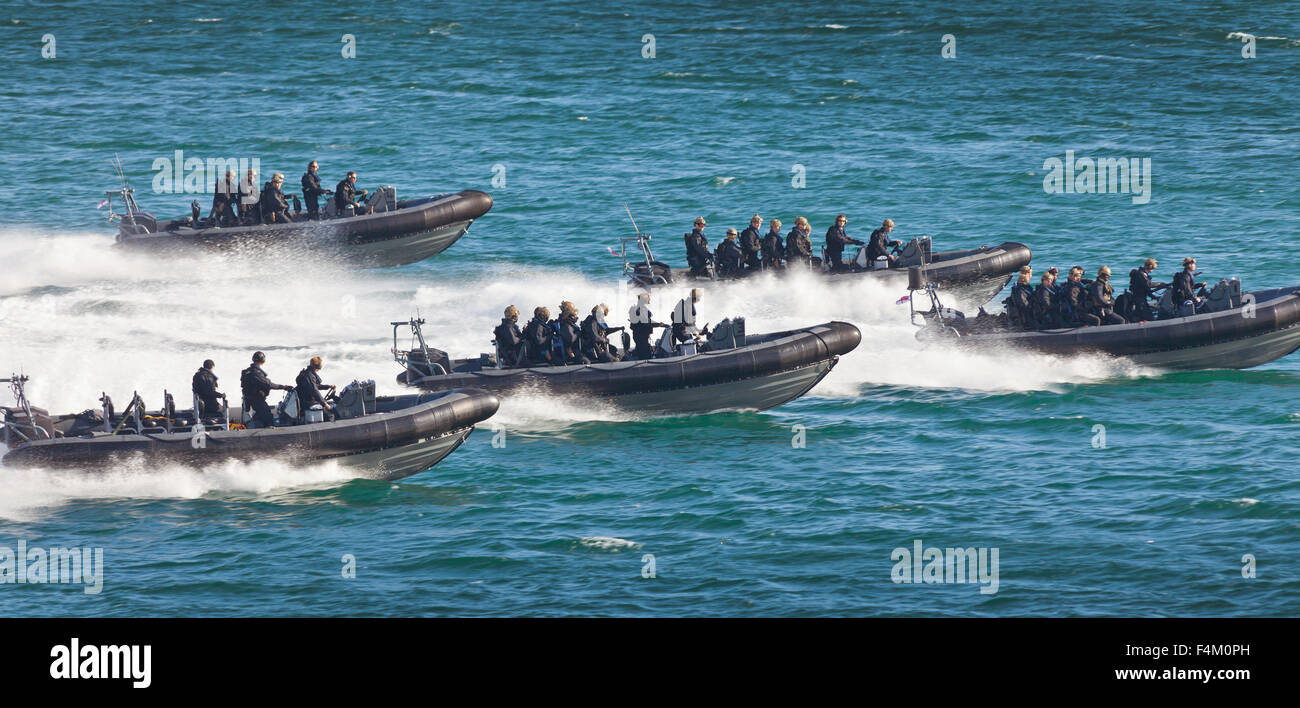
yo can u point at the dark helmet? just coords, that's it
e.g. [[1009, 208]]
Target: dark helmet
[[259, 358]]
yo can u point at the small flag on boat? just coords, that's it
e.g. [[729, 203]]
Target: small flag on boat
[[903, 299], [102, 204], [611, 250]]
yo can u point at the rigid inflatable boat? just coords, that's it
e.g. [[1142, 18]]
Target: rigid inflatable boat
[[1232, 330], [969, 277], [382, 437], [397, 233], [728, 371]]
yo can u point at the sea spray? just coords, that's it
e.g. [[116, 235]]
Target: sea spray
[[106, 337]]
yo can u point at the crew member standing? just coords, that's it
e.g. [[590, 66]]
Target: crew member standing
[[205, 389], [311, 190], [595, 336], [643, 325], [880, 243], [510, 341], [751, 243], [836, 240], [798, 247], [310, 386], [684, 317], [697, 250], [256, 386], [345, 197]]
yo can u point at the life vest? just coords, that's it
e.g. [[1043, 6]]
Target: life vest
[[557, 342]]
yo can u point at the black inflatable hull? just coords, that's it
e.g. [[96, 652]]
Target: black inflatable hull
[[420, 229], [1238, 338], [755, 377], [968, 278], [421, 432]]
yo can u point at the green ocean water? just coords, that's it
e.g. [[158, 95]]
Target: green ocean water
[[556, 109]]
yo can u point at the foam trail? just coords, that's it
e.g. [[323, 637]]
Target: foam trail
[[108, 321], [31, 492], [82, 316], [889, 353]]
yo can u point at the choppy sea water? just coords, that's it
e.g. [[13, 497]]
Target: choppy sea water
[[561, 101]]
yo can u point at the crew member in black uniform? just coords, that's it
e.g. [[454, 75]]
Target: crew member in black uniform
[[256, 387], [773, 246], [311, 190], [880, 243], [1045, 301], [537, 338], [1020, 307], [643, 325], [275, 209], [1101, 297], [697, 250], [1073, 300], [836, 240], [1142, 290], [1185, 287], [510, 341], [205, 389], [223, 200], [567, 333], [595, 337], [798, 247], [729, 259], [309, 388], [751, 243], [250, 199], [345, 197]]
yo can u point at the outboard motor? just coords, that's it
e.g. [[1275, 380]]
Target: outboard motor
[[417, 366], [649, 274], [947, 315], [18, 424], [141, 222]]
